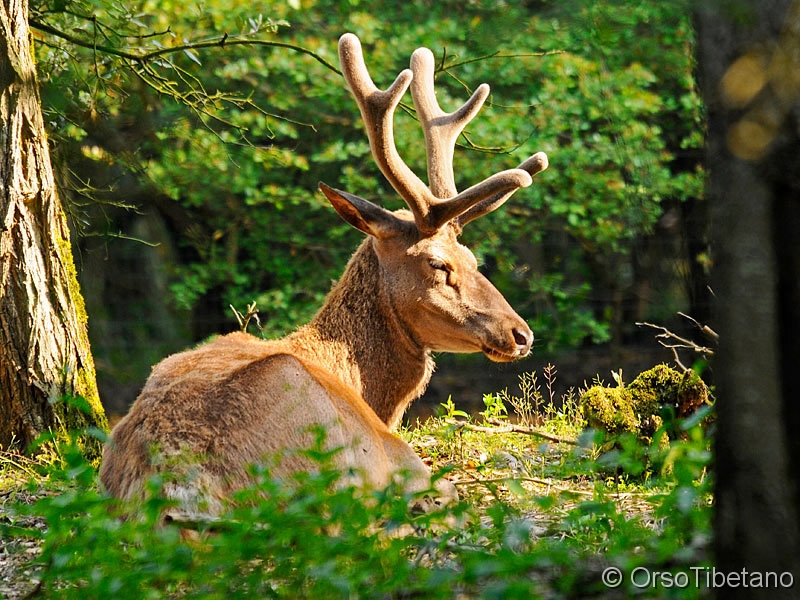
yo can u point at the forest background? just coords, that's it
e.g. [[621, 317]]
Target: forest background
[[191, 178]]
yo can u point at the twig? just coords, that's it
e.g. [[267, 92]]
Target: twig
[[616, 495], [18, 462], [501, 427], [682, 343], [537, 480], [705, 329], [442, 67]]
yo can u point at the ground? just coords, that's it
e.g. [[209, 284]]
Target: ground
[[538, 514]]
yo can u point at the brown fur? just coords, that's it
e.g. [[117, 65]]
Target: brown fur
[[205, 415], [358, 336]]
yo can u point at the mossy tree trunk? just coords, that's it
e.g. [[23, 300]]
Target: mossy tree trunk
[[44, 347], [749, 53]]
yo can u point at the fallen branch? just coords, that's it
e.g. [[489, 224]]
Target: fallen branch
[[501, 427], [536, 480]]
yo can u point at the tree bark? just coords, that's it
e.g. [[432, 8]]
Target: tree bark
[[750, 71], [47, 375]]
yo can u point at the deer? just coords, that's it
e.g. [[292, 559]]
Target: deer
[[205, 415]]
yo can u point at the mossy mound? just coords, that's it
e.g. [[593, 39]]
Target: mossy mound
[[640, 407], [610, 409]]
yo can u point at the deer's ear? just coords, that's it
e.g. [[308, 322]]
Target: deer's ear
[[363, 214]]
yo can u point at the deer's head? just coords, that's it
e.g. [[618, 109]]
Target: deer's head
[[433, 282]]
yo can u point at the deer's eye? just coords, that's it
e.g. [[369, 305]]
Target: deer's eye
[[438, 265], [448, 275]]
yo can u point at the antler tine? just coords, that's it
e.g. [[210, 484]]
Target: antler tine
[[441, 129], [533, 165], [377, 110], [441, 133]]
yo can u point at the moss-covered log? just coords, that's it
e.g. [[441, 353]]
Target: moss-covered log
[[640, 407]]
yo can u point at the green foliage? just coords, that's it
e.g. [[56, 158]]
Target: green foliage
[[449, 410], [535, 521], [495, 407], [604, 87]]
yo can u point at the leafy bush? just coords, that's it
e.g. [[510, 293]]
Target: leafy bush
[[535, 521]]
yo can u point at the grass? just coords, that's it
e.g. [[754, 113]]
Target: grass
[[537, 519]]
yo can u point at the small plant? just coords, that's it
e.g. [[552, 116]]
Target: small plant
[[550, 372], [568, 415], [450, 411], [531, 409], [527, 406], [495, 408]]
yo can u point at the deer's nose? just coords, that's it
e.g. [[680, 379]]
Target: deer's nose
[[523, 338]]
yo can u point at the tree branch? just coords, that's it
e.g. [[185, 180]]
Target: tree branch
[[499, 54], [682, 343], [501, 427], [220, 42]]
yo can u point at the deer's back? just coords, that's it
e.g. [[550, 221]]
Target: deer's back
[[206, 414]]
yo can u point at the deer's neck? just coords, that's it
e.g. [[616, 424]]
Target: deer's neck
[[358, 336]]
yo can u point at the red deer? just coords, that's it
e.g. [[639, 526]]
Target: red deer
[[410, 289]]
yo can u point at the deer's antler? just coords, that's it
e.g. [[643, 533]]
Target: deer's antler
[[441, 129], [432, 207]]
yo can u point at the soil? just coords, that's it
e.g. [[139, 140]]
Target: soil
[[18, 576]]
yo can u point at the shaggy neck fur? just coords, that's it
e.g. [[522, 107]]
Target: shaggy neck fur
[[359, 337]]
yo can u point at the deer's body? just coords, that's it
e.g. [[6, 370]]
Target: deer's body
[[206, 414], [239, 400]]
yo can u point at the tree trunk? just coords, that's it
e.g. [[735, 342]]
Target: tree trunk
[[750, 66], [47, 376]]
